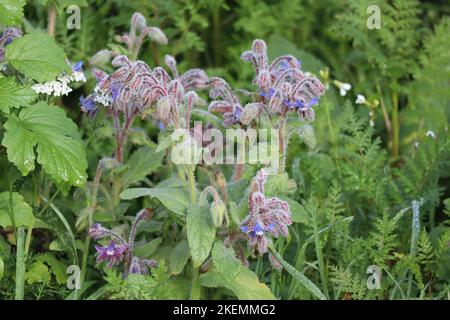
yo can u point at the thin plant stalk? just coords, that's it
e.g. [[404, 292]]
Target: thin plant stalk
[[20, 264], [319, 254]]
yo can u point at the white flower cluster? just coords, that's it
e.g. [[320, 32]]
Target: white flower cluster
[[60, 86]]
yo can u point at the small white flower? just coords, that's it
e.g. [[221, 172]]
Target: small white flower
[[430, 134], [416, 145], [371, 123], [344, 87], [360, 99], [78, 76], [60, 86]]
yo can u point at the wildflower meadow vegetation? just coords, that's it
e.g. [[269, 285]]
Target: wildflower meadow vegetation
[[213, 149]]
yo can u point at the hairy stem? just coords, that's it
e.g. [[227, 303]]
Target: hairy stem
[[192, 188], [282, 143], [195, 285]]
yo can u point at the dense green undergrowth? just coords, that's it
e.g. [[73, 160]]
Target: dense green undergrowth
[[366, 180]]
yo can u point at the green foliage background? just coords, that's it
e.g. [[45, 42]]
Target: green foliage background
[[354, 188]]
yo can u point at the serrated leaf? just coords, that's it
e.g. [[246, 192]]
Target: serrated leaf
[[200, 232], [60, 149], [13, 95], [179, 257], [174, 199], [37, 56], [11, 12], [37, 273], [58, 267], [141, 163]]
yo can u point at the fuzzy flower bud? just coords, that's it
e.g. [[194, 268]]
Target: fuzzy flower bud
[[100, 58], [157, 35], [218, 212], [138, 21], [163, 107]]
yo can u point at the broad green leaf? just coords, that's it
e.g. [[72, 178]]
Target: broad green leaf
[[37, 56], [142, 162], [147, 249], [11, 12], [298, 212], [179, 257], [13, 95], [23, 213], [60, 149], [245, 286], [200, 232], [224, 261], [228, 272], [58, 267], [174, 199], [37, 273]]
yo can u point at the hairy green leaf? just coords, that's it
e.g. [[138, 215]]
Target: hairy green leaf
[[179, 257], [141, 163], [200, 232], [174, 199], [230, 273]]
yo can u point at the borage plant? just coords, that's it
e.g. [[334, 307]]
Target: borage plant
[[223, 233]]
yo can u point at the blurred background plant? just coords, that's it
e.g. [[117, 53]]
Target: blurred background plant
[[372, 155]]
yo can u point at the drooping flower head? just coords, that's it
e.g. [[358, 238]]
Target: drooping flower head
[[119, 250], [135, 87], [113, 253], [141, 266], [227, 103], [266, 217], [282, 83]]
